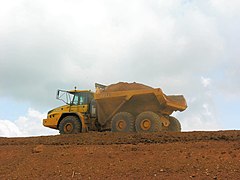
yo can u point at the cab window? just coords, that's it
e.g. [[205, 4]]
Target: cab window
[[81, 98], [75, 100]]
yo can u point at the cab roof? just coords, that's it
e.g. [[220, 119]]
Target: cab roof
[[73, 91]]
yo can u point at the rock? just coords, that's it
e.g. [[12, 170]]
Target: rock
[[38, 149]]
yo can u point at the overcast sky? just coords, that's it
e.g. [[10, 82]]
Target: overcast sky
[[185, 47]]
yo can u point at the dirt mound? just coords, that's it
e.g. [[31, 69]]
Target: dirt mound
[[124, 86], [106, 155]]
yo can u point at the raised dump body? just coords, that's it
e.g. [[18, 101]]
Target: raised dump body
[[134, 99]]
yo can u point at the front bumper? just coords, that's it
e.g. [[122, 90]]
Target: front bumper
[[51, 123]]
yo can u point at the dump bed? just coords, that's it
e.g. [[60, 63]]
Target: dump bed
[[135, 102]]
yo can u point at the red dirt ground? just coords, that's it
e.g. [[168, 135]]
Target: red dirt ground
[[165, 155]]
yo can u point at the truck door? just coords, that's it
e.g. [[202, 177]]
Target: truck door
[[74, 107], [79, 103]]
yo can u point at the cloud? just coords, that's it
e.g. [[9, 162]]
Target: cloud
[[205, 81], [9, 129], [79, 43], [28, 125], [201, 114], [230, 87], [228, 8], [199, 123]]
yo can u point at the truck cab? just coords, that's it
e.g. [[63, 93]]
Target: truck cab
[[73, 117]]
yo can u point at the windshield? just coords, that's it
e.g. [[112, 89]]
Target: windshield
[[65, 96]]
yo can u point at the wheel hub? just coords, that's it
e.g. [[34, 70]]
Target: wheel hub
[[121, 124], [68, 127], [145, 124]]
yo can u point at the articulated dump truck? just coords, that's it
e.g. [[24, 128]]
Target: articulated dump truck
[[121, 107]]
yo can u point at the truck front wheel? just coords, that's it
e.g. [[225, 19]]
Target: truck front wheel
[[69, 125], [123, 122]]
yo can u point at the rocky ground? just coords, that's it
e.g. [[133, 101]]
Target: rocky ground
[[105, 155]]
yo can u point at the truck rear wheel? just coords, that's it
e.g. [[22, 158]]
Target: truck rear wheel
[[174, 125], [123, 122], [148, 122], [69, 125]]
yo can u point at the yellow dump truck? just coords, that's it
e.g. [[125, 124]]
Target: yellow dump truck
[[121, 107]]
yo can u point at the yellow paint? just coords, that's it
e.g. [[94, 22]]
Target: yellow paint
[[55, 114]]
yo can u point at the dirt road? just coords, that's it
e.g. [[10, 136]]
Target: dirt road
[[189, 155]]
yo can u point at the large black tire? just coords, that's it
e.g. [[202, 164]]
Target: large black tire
[[174, 125], [123, 122], [148, 122], [70, 125]]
